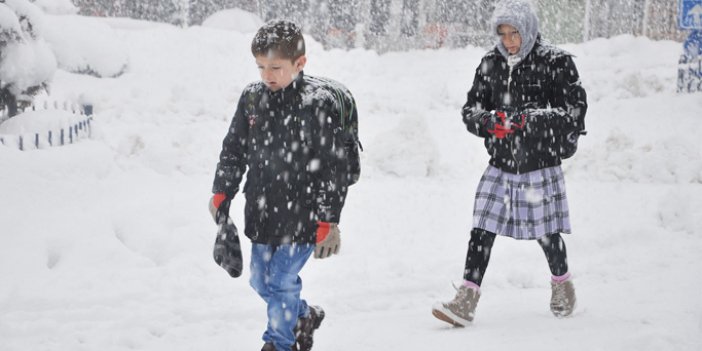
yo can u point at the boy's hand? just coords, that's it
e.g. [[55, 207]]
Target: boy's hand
[[328, 240], [219, 207]]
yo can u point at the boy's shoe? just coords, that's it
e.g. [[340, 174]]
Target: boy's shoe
[[460, 311], [562, 298], [304, 330], [268, 347]]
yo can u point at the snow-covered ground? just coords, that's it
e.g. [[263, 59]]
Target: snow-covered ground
[[106, 244]]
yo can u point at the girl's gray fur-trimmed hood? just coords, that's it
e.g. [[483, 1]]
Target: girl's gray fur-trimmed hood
[[518, 14]]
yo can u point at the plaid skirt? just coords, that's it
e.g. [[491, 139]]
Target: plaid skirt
[[522, 206]]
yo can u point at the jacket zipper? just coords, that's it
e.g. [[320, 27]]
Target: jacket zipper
[[509, 87]]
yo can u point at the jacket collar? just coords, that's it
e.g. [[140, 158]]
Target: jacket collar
[[294, 87]]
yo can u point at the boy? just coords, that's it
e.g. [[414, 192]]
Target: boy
[[528, 104], [296, 134]]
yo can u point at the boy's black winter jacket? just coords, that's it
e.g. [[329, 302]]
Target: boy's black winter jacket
[[545, 88], [301, 153]]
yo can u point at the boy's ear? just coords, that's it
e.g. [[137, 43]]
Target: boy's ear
[[300, 62]]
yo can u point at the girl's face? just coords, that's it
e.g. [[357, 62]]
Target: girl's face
[[510, 38], [278, 73]]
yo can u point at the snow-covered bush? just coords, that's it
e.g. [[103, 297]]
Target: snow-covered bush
[[57, 7], [27, 64], [31, 17], [84, 51], [234, 19]]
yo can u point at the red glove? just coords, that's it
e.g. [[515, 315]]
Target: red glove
[[219, 207], [218, 198], [328, 240], [500, 131], [508, 126], [322, 231]]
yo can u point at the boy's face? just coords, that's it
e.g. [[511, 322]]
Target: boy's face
[[510, 37], [278, 73]]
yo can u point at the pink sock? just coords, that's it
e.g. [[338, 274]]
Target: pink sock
[[470, 284], [560, 278]]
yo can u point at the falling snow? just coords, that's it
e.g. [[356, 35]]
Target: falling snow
[[107, 244]]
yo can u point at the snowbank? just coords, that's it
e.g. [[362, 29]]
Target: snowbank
[[86, 45], [57, 7], [39, 122], [42, 129], [235, 20]]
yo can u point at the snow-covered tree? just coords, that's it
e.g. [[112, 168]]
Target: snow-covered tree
[[406, 24], [27, 64]]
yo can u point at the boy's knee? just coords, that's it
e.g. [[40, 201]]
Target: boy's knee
[[258, 283], [284, 284]]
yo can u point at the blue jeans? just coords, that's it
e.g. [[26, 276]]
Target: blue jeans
[[274, 276]]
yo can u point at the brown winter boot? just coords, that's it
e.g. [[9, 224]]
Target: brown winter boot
[[562, 298], [460, 311], [268, 347], [304, 330]]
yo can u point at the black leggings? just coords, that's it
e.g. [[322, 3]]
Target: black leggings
[[480, 245]]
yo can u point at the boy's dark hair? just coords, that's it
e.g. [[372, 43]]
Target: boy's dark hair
[[279, 38]]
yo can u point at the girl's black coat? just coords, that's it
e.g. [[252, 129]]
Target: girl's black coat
[[545, 88]]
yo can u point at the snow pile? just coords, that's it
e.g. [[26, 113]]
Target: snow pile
[[106, 244], [637, 138], [234, 19], [42, 129], [57, 7], [40, 122], [622, 67], [80, 46], [37, 43], [405, 150]]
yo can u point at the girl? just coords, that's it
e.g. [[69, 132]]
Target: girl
[[528, 104]]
